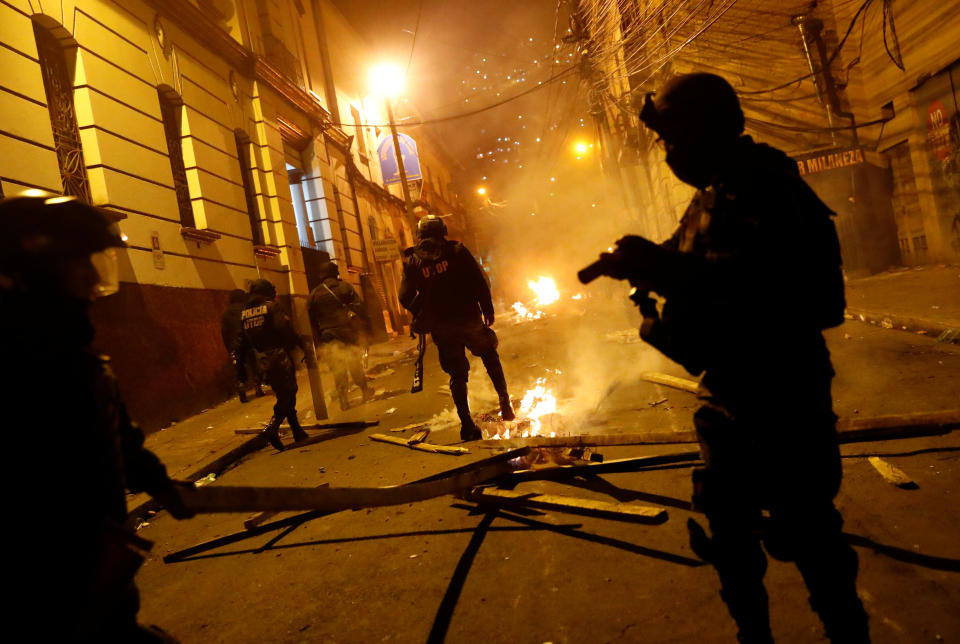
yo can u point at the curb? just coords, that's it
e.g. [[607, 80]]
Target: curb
[[940, 330], [217, 466]]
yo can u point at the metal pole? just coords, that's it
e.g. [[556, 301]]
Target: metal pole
[[411, 218]]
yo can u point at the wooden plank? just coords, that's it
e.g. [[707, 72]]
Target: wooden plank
[[850, 430], [258, 518], [478, 472], [607, 467], [892, 474], [423, 447], [683, 384], [350, 424], [594, 440], [225, 498], [633, 512]]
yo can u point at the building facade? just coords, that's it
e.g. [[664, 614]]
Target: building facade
[[231, 139], [863, 95]]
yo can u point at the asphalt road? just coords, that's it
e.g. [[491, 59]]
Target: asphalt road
[[443, 570]]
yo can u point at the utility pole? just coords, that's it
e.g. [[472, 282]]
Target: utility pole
[[411, 218]]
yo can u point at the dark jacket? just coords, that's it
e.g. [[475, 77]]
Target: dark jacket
[[753, 274], [266, 326], [443, 286], [79, 453], [231, 327], [337, 312]]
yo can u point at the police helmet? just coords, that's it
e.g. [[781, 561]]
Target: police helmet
[[694, 108], [431, 227], [329, 269], [263, 288], [39, 230]]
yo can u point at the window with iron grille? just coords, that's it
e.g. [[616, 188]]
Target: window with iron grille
[[58, 86], [246, 172], [171, 108]]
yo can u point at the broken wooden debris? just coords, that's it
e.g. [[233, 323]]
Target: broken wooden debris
[[872, 428], [465, 477], [349, 424], [892, 474], [412, 443], [594, 440], [683, 384], [850, 430], [258, 518], [634, 512], [420, 425], [607, 467], [259, 499]]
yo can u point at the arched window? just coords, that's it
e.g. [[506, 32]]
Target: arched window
[[58, 86], [171, 110]]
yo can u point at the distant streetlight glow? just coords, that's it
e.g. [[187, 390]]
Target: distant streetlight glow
[[481, 191], [387, 80], [580, 147]]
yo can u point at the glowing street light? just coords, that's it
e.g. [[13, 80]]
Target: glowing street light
[[481, 191], [387, 80], [580, 147]]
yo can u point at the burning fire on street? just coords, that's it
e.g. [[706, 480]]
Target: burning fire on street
[[545, 292], [537, 409]]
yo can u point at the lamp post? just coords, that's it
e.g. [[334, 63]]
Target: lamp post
[[387, 80]]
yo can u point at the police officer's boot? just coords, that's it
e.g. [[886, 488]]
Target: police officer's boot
[[298, 433], [468, 429], [272, 432], [491, 361], [242, 393], [258, 392], [344, 398]]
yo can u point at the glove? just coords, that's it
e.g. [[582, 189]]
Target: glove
[[171, 497], [488, 319], [640, 258]]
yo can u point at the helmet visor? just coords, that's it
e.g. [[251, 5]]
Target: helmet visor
[[105, 262]]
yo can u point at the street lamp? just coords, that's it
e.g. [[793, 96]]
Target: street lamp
[[481, 191], [387, 80]]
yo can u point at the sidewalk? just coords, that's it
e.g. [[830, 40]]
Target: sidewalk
[[207, 443], [924, 300]]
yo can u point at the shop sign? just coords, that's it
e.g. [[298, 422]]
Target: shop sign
[[385, 250], [938, 130], [830, 160]]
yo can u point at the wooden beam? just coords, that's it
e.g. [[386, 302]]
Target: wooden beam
[[684, 384], [347, 424], [607, 467], [892, 474], [226, 498], [258, 518], [473, 473], [850, 430], [633, 512], [423, 447]]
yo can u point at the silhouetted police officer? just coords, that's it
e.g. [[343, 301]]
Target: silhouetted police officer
[[750, 279], [447, 292], [267, 329], [76, 558], [339, 317], [231, 330]]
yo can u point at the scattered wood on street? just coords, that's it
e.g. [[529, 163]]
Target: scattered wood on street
[[892, 474], [349, 424], [258, 518], [231, 498], [592, 440], [683, 384], [413, 443], [634, 512]]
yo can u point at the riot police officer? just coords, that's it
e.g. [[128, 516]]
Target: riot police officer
[[750, 279], [447, 292], [231, 330], [339, 319], [79, 558], [267, 329]]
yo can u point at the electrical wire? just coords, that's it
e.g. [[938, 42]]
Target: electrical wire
[[416, 30]]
